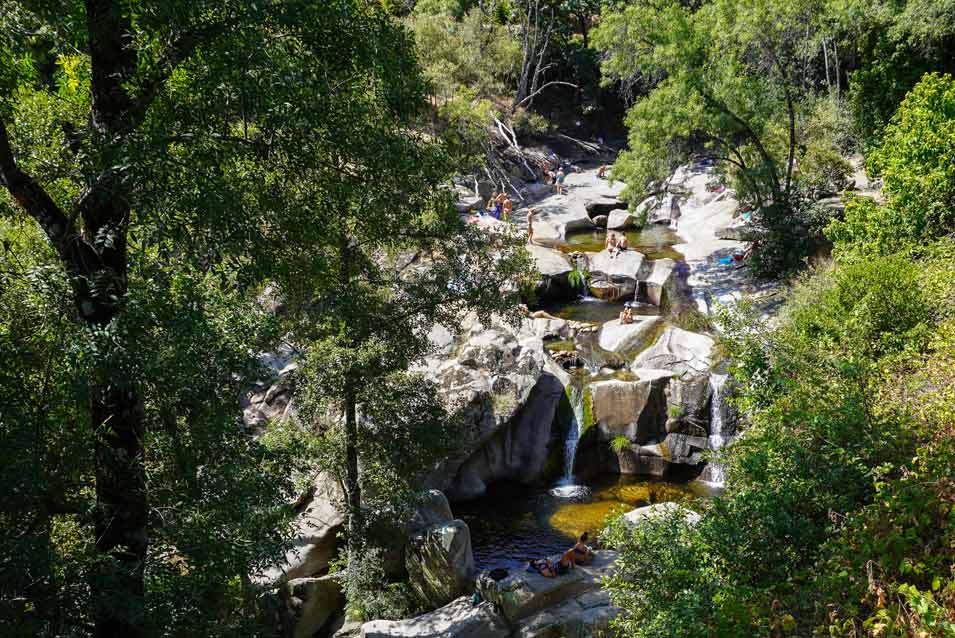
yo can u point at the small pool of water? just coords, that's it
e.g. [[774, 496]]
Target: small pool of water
[[513, 523], [655, 241], [593, 310]]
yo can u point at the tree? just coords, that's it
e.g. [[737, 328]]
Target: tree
[[918, 174], [733, 81], [175, 158]]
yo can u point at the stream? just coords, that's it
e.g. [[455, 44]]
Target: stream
[[512, 523]]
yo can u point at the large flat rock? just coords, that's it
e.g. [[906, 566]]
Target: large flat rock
[[622, 337], [629, 264], [642, 514], [683, 352], [550, 262], [525, 593], [586, 615], [459, 619]]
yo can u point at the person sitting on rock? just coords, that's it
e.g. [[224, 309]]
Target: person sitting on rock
[[612, 245], [622, 244], [602, 171], [583, 553], [566, 563], [626, 317], [548, 176], [499, 204]]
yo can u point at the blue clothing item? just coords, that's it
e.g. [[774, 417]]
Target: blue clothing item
[[497, 210], [726, 261]]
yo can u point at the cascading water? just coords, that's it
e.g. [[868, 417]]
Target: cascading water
[[566, 489], [720, 430], [573, 433]]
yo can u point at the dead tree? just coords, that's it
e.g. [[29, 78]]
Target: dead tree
[[534, 43]]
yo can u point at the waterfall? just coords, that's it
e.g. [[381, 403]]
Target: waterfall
[[573, 432], [720, 430], [582, 266]]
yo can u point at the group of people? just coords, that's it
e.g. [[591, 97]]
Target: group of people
[[579, 554], [500, 206], [616, 244], [557, 179]]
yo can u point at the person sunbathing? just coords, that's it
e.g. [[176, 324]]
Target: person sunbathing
[[543, 567], [536, 314]]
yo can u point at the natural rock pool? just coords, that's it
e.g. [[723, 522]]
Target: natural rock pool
[[655, 241], [513, 523]]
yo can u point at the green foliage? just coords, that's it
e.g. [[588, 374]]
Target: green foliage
[[619, 443], [838, 519], [915, 163], [895, 44], [303, 168], [731, 80], [461, 51]]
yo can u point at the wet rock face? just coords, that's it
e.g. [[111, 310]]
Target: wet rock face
[[506, 389], [555, 269], [667, 418]]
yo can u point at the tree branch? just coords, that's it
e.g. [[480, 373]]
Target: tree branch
[[535, 93]]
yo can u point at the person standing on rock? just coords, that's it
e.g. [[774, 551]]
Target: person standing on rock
[[530, 225], [675, 211], [559, 181], [508, 208]]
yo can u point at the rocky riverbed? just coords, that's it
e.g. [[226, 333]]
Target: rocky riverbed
[[564, 400]]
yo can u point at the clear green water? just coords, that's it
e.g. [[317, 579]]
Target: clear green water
[[513, 523], [655, 241], [593, 310]]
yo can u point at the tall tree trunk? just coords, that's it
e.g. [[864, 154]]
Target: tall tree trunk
[[352, 486], [121, 511]]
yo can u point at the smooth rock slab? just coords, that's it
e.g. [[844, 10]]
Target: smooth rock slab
[[620, 219], [659, 280], [678, 350], [621, 337], [525, 593], [459, 619], [629, 264], [634, 409], [579, 617], [549, 262], [642, 514]]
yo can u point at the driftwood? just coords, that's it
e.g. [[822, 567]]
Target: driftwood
[[587, 146]]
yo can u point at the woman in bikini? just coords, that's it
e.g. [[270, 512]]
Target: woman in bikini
[[583, 553]]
